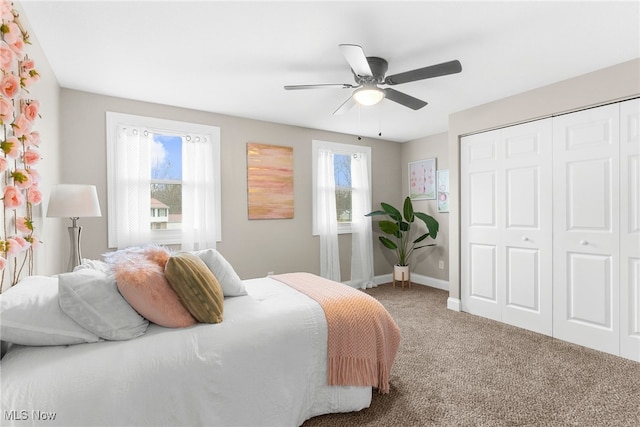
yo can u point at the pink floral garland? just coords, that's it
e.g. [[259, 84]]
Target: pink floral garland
[[18, 149]]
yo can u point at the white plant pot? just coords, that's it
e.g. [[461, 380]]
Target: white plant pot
[[401, 272]]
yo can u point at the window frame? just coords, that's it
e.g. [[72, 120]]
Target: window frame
[[166, 127], [338, 148]]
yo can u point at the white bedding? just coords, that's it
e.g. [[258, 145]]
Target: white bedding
[[265, 364]]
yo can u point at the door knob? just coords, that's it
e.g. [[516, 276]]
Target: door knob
[[584, 242], [525, 239]]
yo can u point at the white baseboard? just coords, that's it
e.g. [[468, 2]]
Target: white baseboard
[[417, 279], [454, 304]]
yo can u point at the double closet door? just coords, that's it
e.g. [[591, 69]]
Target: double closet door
[[550, 227]]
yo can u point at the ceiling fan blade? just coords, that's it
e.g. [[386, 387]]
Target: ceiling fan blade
[[346, 106], [438, 70], [356, 58], [320, 86], [404, 99]]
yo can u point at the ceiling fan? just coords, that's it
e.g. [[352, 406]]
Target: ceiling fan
[[369, 72]]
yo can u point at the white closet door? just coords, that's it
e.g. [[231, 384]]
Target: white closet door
[[527, 246], [630, 229], [480, 237], [506, 225], [586, 228]]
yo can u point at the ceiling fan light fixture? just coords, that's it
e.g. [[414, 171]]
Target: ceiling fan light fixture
[[368, 95]]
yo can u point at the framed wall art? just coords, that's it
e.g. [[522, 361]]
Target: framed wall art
[[443, 190], [422, 179]]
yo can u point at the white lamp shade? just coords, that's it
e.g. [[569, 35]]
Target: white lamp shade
[[74, 201], [368, 95]]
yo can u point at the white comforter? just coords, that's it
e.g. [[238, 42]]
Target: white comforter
[[265, 364]]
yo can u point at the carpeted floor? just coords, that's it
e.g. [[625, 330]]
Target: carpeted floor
[[455, 369]]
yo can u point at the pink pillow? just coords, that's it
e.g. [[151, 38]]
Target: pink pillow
[[139, 273]]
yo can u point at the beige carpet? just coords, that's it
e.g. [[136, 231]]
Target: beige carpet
[[455, 369]]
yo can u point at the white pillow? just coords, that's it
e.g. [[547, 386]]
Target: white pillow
[[231, 284], [30, 315], [92, 264], [91, 298]]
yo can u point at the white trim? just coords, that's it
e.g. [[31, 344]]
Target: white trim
[[454, 304], [416, 279], [419, 279]]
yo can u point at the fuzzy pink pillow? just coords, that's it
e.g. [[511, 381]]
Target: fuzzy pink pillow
[[139, 273]]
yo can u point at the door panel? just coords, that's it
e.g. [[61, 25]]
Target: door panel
[[586, 237], [522, 286], [630, 229], [506, 225], [479, 241]]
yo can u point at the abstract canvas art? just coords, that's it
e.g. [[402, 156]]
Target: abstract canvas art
[[269, 181]]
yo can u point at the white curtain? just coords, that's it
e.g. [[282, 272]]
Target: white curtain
[[361, 235], [327, 220], [198, 195], [133, 180]]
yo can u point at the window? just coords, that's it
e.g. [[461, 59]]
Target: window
[[163, 182], [342, 177], [342, 167]]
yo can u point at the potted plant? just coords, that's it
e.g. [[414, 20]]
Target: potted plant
[[399, 228]]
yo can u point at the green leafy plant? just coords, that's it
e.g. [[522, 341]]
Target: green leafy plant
[[399, 228]]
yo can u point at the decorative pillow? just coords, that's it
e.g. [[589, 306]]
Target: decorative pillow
[[91, 298], [92, 264], [196, 286], [231, 284], [30, 315], [139, 274]]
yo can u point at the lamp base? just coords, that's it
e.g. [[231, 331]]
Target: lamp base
[[75, 257]]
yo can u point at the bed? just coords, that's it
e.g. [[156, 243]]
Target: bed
[[265, 364]]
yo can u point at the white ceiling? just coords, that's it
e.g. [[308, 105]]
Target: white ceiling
[[235, 57]]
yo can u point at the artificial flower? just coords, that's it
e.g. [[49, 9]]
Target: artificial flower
[[6, 56], [21, 179], [28, 64], [6, 11], [11, 32], [30, 110], [24, 244], [3, 263], [21, 126], [29, 78], [35, 241], [3, 164], [10, 147], [17, 46], [34, 195], [6, 110], [12, 197], [14, 247], [24, 224], [31, 157], [9, 85]]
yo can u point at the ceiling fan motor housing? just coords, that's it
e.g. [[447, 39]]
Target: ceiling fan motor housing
[[378, 67]]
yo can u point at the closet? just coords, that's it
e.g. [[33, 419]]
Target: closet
[[550, 226]]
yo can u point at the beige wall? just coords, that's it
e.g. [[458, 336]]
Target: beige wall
[[253, 247], [426, 260], [607, 85], [47, 257]]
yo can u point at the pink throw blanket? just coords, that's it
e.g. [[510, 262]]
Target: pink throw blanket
[[363, 337]]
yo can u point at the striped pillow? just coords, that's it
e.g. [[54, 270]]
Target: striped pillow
[[197, 288]]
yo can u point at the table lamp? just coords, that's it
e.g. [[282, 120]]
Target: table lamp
[[74, 202]]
